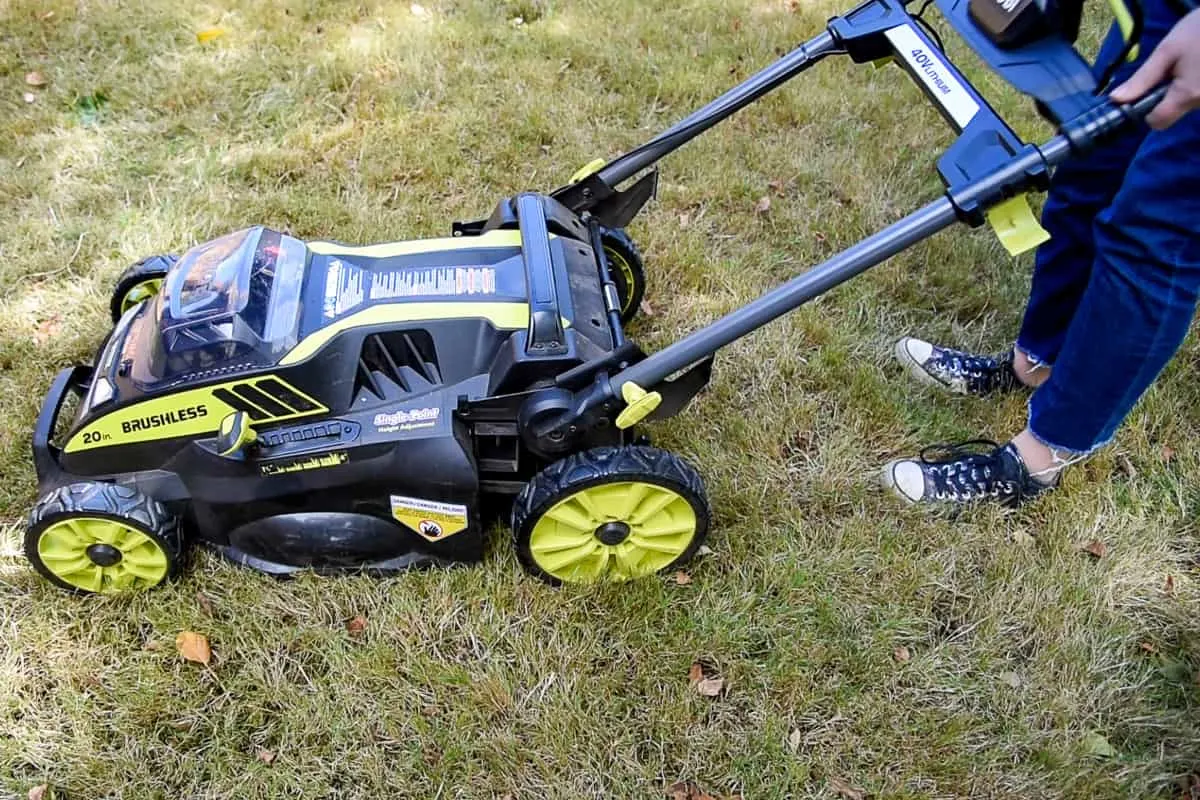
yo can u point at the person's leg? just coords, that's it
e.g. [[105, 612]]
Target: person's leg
[[1079, 191], [1137, 307]]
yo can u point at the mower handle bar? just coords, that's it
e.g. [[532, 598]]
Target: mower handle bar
[[1017, 176]]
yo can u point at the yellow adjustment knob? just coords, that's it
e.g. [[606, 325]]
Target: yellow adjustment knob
[[641, 404]]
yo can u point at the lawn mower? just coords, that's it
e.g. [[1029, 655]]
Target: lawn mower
[[317, 406]]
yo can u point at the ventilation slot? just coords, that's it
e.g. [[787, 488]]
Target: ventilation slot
[[394, 365]]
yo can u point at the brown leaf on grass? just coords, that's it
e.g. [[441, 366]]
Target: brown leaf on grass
[[1096, 548], [902, 655], [1127, 466], [696, 673], [35, 78], [1149, 647], [265, 756], [711, 687], [682, 578], [846, 790], [820, 237], [763, 205], [795, 740], [205, 603], [1168, 452], [47, 329], [646, 309], [357, 625], [776, 187], [1169, 587], [38, 792], [687, 790], [194, 647]]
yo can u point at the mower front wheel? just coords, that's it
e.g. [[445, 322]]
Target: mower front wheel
[[610, 514], [100, 538], [140, 282]]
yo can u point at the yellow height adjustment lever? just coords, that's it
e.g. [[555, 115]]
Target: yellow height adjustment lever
[[641, 404], [1015, 225], [587, 169]]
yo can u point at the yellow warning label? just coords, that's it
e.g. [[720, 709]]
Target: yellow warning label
[[430, 519]]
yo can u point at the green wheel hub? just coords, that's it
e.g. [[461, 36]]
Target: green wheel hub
[[139, 292], [614, 531], [102, 555]]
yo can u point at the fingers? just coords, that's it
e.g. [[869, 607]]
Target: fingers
[[1177, 103], [1157, 68]]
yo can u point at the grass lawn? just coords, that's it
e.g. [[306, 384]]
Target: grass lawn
[[863, 646]]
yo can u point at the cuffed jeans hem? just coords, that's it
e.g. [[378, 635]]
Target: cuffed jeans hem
[[1072, 454], [1033, 356]]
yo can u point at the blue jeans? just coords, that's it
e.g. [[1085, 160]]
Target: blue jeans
[[1115, 289]]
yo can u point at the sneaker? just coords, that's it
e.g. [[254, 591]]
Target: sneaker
[[964, 473], [960, 372]]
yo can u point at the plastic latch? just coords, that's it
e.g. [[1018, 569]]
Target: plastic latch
[[234, 434], [587, 169], [641, 404], [1015, 226]]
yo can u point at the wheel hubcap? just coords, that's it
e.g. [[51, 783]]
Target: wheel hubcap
[[102, 555], [615, 531]]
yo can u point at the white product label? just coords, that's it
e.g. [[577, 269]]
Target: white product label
[[934, 73]]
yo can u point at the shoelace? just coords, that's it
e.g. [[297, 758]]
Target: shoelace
[[962, 473]]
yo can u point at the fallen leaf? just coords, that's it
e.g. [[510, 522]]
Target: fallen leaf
[[266, 756], [646, 309], [763, 205], [47, 329], [1169, 587], [682, 790], [38, 792], [1127, 466], [696, 673], [152, 645], [1149, 647], [29, 97], [357, 625], [711, 687], [682, 578], [1096, 547], [846, 790], [194, 647], [1023, 538], [795, 740], [35, 78], [209, 34], [684, 220], [1168, 452], [205, 603], [1011, 679], [1096, 745], [820, 237], [775, 186], [417, 10], [46, 17], [902, 655]]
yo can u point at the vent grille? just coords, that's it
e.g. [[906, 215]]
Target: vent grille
[[394, 365]]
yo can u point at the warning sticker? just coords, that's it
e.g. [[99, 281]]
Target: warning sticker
[[343, 288], [430, 519], [433, 282]]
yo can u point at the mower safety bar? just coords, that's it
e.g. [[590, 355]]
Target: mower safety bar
[[72, 380], [1020, 174]]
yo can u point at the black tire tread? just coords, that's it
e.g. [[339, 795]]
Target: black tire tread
[[601, 465], [121, 503], [149, 268]]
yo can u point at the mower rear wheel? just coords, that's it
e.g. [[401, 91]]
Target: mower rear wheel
[[140, 282], [628, 271], [610, 514], [94, 537]]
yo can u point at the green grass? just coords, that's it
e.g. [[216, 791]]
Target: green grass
[[367, 122]]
